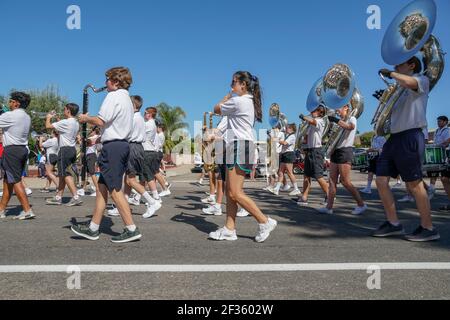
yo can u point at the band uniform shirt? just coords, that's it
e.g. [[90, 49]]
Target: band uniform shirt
[[16, 126], [68, 131], [315, 134], [441, 136], [240, 113], [117, 112], [150, 136], [159, 141], [93, 147], [290, 146], [138, 133], [411, 108], [349, 135], [51, 146], [378, 143]]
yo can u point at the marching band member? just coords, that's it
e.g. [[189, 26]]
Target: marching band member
[[51, 147], [68, 130], [441, 135], [160, 138], [445, 178], [242, 110], [376, 145], [91, 158], [287, 159], [341, 163], [116, 120], [16, 128], [314, 157], [404, 151]]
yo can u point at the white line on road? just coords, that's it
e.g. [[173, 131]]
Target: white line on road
[[228, 268]]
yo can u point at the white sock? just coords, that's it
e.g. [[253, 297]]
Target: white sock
[[295, 186], [369, 184], [218, 205], [76, 197], [278, 186], [155, 195], [94, 227], [132, 228], [395, 224], [137, 197], [58, 197], [148, 198]]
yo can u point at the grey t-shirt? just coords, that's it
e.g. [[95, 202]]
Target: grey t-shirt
[[410, 111]]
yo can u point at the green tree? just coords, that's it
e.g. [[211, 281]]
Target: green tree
[[173, 119], [366, 139]]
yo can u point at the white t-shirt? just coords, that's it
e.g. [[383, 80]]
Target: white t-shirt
[[441, 135], [68, 131], [278, 136], [159, 141], [138, 134], [51, 146], [93, 148], [150, 136], [240, 114], [117, 111], [315, 133], [410, 111], [378, 143], [290, 146], [16, 127], [348, 139]]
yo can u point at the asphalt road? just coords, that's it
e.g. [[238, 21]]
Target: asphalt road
[[177, 235]]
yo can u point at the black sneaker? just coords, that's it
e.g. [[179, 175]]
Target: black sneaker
[[84, 231], [387, 230], [423, 235], [127, 236]]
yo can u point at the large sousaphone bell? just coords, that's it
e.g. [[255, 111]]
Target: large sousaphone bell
[[407, 36]]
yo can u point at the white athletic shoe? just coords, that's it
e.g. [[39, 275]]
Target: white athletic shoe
[[165, 193], [212, 210], [295, 192], [407, 198], [28, 191], [275, 191], [366, 190], [210, 200], [94, 194], [114, 212], [242, 213], [359, 210], [397, 185], [285, 188], [81, 192], [265, 229], [223, 234], [25, 216], [151, 210], [133, 201], [1, 194], [325, 211]]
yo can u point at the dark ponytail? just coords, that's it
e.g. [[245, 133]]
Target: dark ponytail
[[254, 89]]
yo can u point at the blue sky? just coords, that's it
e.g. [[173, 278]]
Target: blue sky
[[185, 52]]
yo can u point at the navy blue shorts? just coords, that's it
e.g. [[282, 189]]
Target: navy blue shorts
[[403, 155], [113, 162], [13, 163]]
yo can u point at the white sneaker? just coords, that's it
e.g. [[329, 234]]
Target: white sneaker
[[397, 185], [266, 188], [94, 194], [359, 210], [242, 213], [151, 210], [28, 191], [133, 201], [3, 216], [223, 234], [366, 190], [295, 192], [275, 191], [1, 194], [25, 216], [210, 200], [325, 211], [81, 192], [114, 212], [265, 229], [270, 189], [165, 193], [407, 198], [212, 210], [286, 188]]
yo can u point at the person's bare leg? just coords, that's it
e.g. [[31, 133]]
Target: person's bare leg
[[334, 175], [100, 204], [21, 195], [345, 171], [306, 187], [323, 184], [290, 173], [387, 198], [50, 175], [446, 183], [7, 194], [123, 207], [160, 178], [71, 185], [423, 203], [61, 187]]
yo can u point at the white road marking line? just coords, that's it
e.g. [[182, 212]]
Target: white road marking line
[[228, 268]]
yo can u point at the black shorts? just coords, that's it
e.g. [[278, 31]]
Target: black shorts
[[241, 154], [91, 161], [314, 159], [446, 173], [13, 163], [151, 165], [67, 157], [160, 156], [288, 157], [52, 159], [136, 161], [373, 165], [403, 155], [342, 156], [113, 162]]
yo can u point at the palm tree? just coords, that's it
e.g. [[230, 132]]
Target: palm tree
[[173, 119]]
